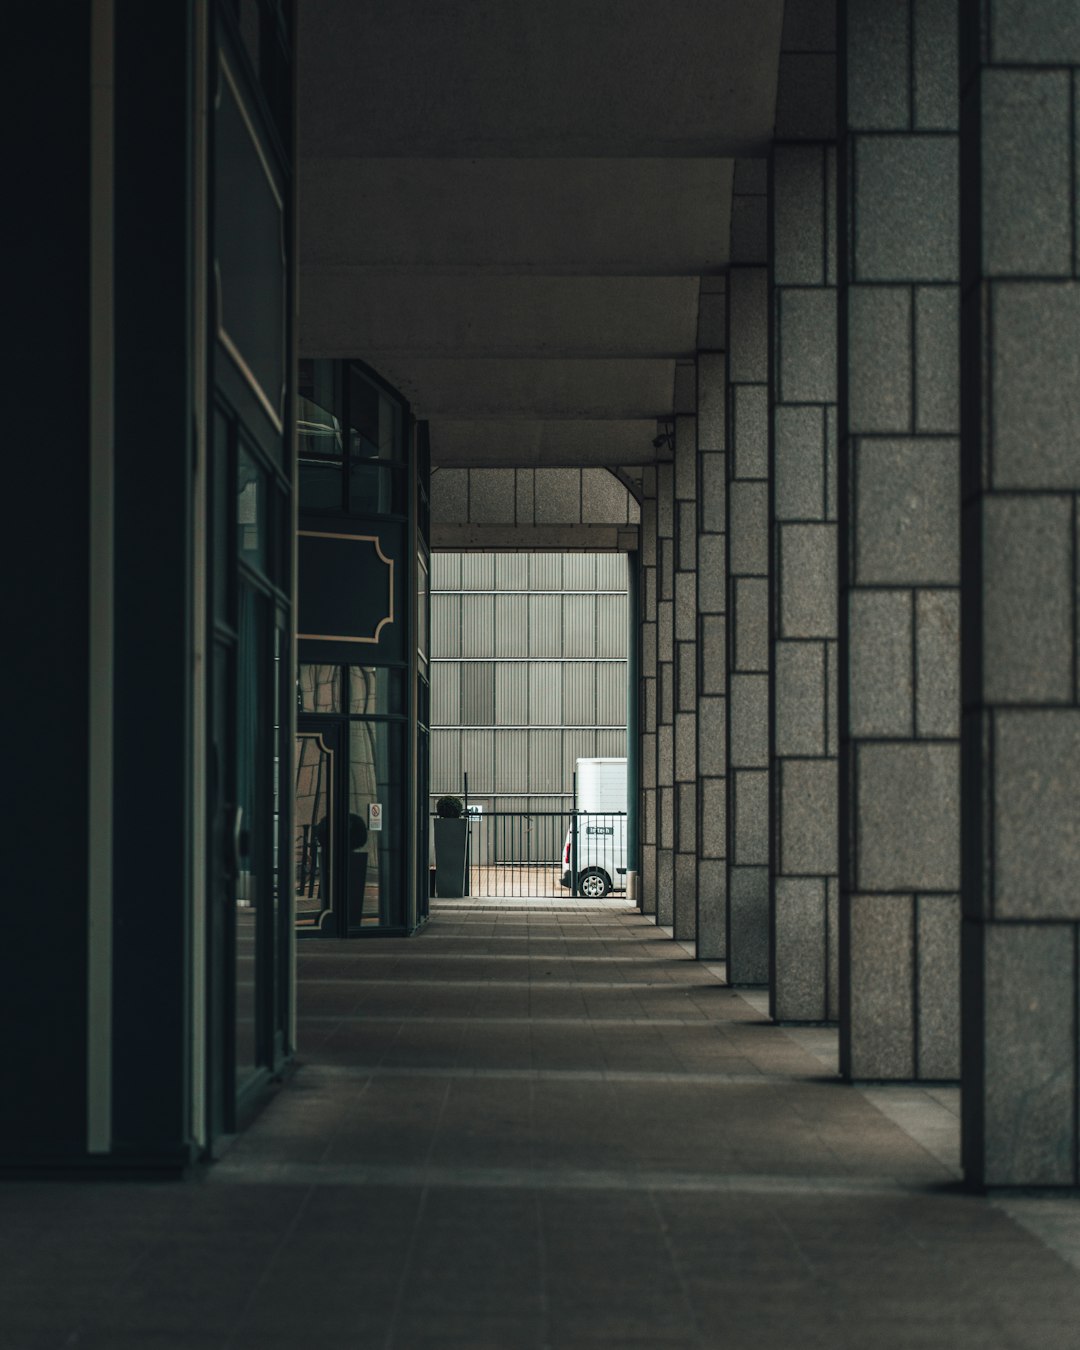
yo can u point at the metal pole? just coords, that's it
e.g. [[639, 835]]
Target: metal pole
[[633, 728], [573, 843], [468, 836]]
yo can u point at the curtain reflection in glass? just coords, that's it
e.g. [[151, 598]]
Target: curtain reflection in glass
[[319, 689], [375, 690], [374, 771], [313, 827], [250, 511]]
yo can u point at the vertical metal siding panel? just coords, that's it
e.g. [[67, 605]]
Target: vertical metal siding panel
[[477, 625], [579, 625], [477, 755], [445, 761], [545, 625], [546, 571], [446, 693], [511, 694], [445, 571], [511, 625], [611, 744], [477, 571], [578, 743], [545, 761], [545, 693], [511, 761], [512, 571], [611, 694], [445, 626], [478, 694], [579, 694], [579, 572], [611, 620], [480, 837], [547, 833], [611, 572]]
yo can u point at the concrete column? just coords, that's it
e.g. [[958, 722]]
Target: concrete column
[[804, 929], [665, 686], [747, 608], [712, 624], [900, 870], [684, 671], [649, 696], [1020, 74]]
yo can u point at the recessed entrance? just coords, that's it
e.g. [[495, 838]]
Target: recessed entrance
[[529, 679]]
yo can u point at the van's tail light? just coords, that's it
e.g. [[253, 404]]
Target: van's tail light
[[566, 853]]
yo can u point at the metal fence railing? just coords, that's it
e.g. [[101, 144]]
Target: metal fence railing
[[546, 854]]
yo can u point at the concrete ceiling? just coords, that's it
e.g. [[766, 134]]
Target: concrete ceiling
[[507, 209]]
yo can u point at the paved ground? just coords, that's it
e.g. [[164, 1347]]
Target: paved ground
[[546, 1127]]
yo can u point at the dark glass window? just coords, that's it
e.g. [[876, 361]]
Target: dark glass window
[[376, 691], [422, 586], [320, 486], [318, 428], [252, 526], [339, 405], [319, 689], [377, 776], [377, 489], [249, 252], [375, 430]]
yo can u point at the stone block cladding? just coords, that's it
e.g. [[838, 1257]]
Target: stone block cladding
[[747, 584], [900, 557], [802, 696], [1020, 484]]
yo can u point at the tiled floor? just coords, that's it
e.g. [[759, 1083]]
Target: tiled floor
[[546, 1127]]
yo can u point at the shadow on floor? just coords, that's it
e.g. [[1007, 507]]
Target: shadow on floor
[[537, 1127]]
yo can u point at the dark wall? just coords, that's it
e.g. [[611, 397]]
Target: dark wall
[[154, 464], [46, 305]]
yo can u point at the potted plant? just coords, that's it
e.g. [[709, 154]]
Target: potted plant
[[451, 846]]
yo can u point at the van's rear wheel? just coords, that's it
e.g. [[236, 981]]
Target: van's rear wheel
[[593, 884]]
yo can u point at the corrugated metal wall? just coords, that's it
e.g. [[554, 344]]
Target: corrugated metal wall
[[545, 693], [511, 694], [579, 694], [528, 672]]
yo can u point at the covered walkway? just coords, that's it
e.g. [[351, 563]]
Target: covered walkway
[[549, 1126]]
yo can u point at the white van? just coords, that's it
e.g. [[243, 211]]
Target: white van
[[601, 842]]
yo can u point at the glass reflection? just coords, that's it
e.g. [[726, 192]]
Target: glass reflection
[[320, 486], [374, 420], [313, 824], [422, 587], [318, 430], [375, 690], [251, 532], [253, 772], [375, 842], [375, 489], [318, 689]]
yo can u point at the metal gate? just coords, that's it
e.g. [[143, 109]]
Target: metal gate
[[536, 854]]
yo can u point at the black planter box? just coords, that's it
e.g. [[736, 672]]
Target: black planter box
[[451, 857]]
